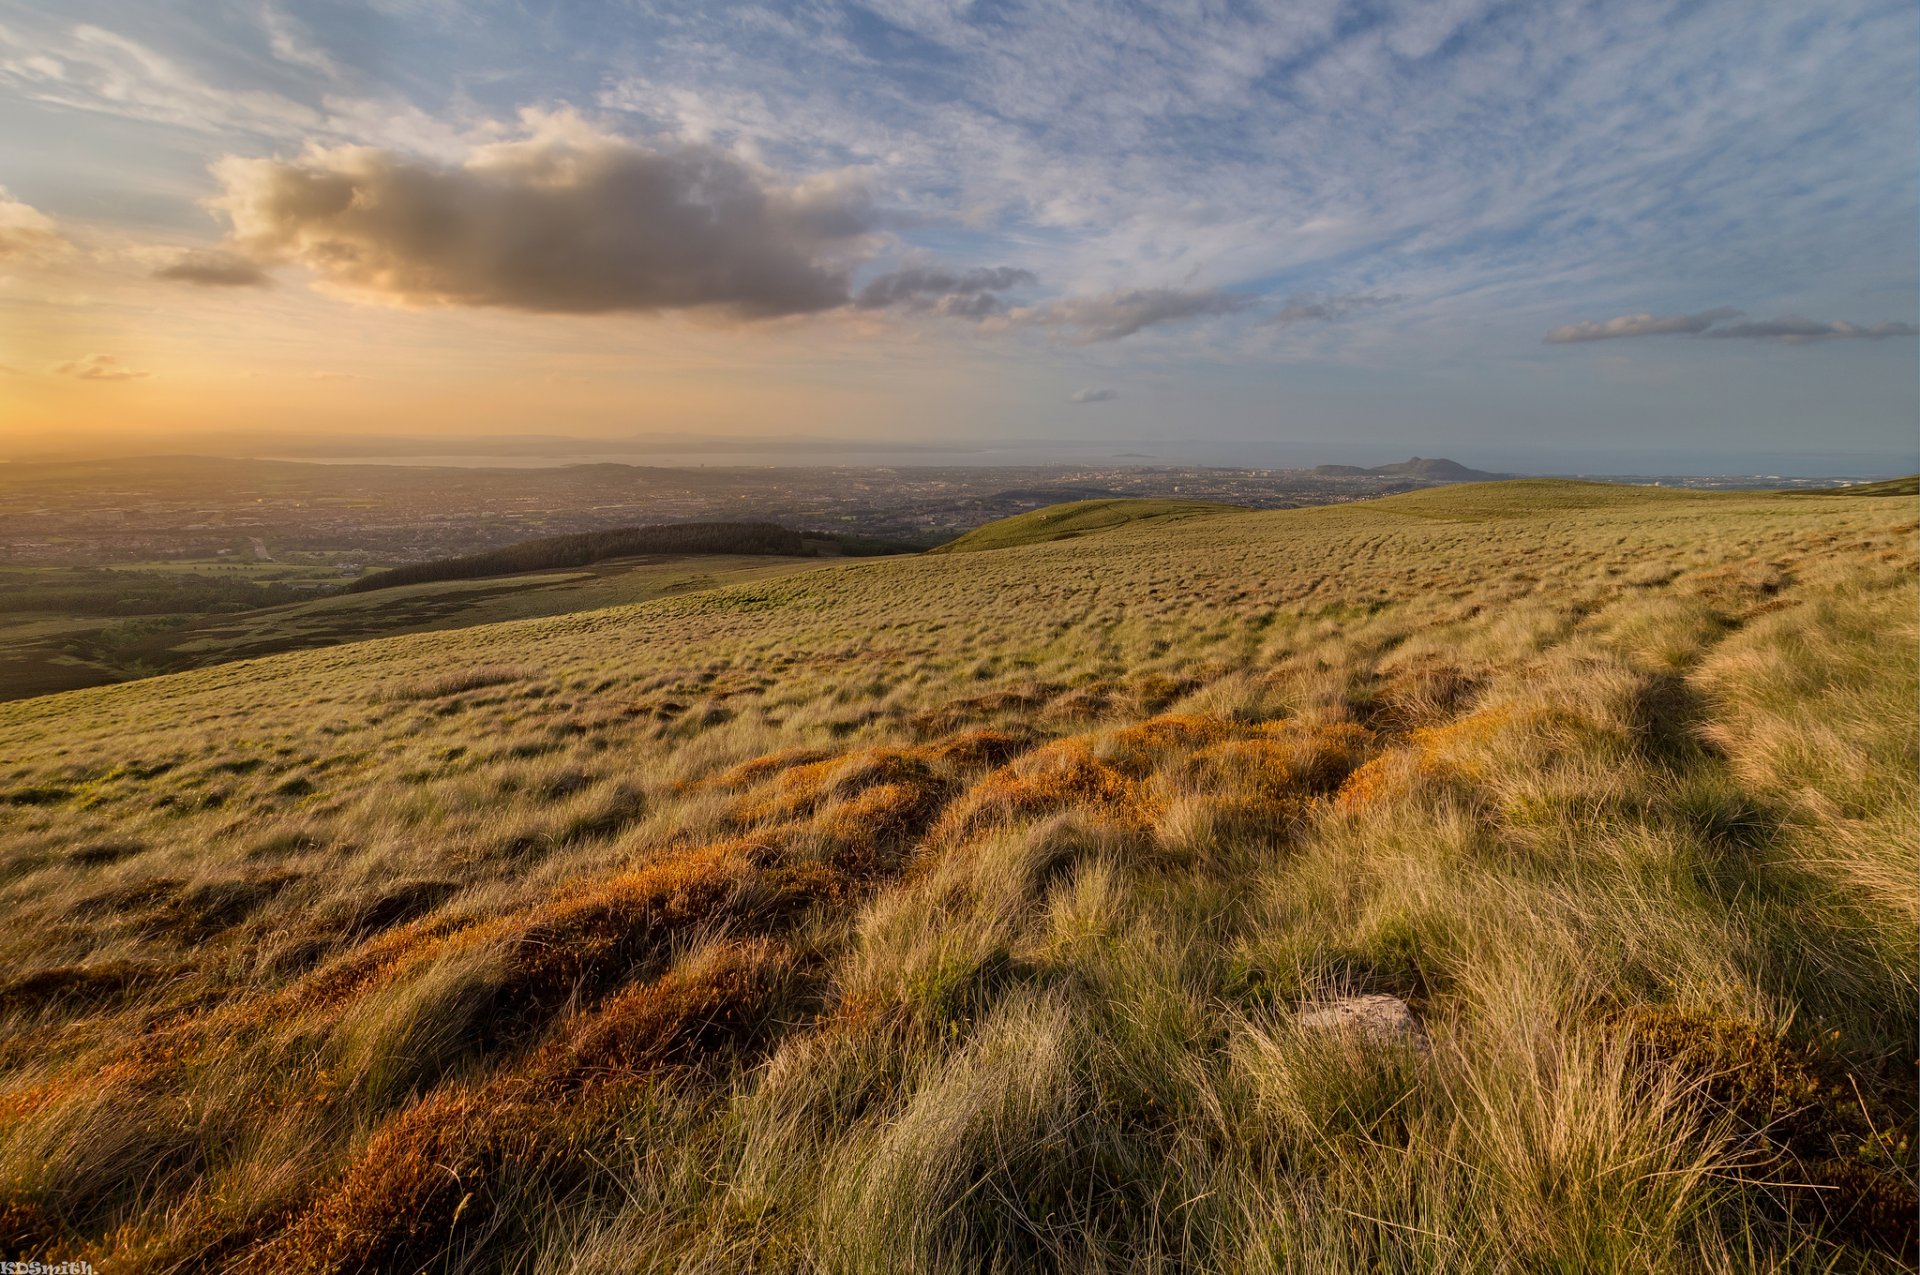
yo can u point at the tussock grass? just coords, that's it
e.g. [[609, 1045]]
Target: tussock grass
[[958, 914]]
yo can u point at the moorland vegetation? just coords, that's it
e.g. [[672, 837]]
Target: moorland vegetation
[[974, 912]]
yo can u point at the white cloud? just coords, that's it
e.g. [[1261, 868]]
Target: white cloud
[[1094, 394], [26, 232]]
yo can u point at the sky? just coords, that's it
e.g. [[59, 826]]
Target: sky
[[1632, 235]]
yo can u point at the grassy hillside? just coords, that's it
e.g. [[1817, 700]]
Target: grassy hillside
[[41, 653], [983, 912], [1078, 518], [551, 553], [1908, 486]]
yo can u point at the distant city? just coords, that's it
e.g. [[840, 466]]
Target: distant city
[[96, 513]]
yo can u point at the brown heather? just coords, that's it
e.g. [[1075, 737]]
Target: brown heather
[[954, 914]]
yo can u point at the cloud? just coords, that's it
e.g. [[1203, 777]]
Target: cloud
[[968, 294], [1109, 317], [288, 44], [1328, 309], [214, 268], [98, 367], [1628, 325], [92, 69], [1791, 330], [1796, 331], [1091, 394], [566, 220], [26, 231]]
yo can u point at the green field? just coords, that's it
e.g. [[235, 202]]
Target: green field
[[988, 912]]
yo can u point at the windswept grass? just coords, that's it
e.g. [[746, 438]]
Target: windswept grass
[[976, 913]]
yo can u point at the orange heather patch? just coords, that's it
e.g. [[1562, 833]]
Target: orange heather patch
[[1060, 775], [457, 1152], [748, 773], [720, 1004], [398, 1203], [889, 813], [957, 713], [1136, 748], [602, 930], [1364, 786], [799, 790], [1287, 757], [1428, 755], [980, 746]]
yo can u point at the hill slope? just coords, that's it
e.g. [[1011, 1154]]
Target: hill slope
[[986, 911], [548, 553], [1426, 469], [1078, 518]]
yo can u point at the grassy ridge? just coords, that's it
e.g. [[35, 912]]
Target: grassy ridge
[[1908, 486], [968, 912], [43, 654], [550, 553], [1078, 518]]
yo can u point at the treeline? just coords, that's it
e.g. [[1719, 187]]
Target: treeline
[[596, 546], [100, 592]]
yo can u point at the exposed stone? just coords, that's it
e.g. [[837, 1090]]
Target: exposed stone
[[1384, 1018]]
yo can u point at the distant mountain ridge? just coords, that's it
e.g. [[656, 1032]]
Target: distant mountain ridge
[[1432, 470]]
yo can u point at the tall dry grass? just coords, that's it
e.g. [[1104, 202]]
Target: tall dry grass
[[959, 914]]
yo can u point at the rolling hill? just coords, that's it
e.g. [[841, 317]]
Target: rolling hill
[[1435, 470], [1492, 878], [1077, 518]]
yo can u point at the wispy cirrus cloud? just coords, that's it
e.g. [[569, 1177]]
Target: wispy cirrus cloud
[[1632, 325], [98, 367], [1114, 315], [1797, 331], [89, 68], [1719, 323], [967, 294], [1330, 308]]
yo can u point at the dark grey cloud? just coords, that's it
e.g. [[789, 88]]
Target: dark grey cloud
[[966, 294], [215, 268], [1329, 308], [1791, 330], [1095, 394], [568, 220], [1794, 331], [1110, 317], [1639, 325]]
